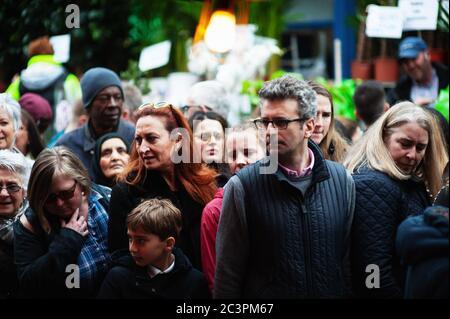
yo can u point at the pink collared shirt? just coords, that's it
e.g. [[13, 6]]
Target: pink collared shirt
[[305, 172]]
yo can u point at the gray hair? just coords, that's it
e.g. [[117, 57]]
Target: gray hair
[[133, 96], [288, 87], [212, 94], [12, 108], [14, 163]]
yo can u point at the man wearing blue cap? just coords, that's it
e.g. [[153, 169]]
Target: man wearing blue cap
[[103, 99], [423, 79]]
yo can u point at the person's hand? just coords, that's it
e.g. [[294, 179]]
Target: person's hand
[[77, 223]]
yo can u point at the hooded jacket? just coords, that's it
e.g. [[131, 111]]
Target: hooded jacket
[[43, 71], [422, 244]]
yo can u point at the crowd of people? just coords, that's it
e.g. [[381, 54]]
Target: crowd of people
[[126, 199]]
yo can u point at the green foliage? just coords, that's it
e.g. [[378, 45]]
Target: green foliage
[[342, 97], [251, 88], [442, 22], [101, 40], [136, 77], [280, 73], [110, 34], [21, 22], [442, 103], [155, 21]]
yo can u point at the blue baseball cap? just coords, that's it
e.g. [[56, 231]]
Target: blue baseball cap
[[410, 47]]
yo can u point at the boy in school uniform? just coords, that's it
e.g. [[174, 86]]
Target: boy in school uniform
[[154, 268]]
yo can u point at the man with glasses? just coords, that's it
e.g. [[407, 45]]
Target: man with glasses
[[286, 234], [103, 100]]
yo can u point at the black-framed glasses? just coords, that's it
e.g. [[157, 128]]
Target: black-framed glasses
[[280, 124], [63, 195], [11, 188]]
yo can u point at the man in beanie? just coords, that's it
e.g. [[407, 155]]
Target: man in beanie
[[423, 79], [103, 100], [39, 109]]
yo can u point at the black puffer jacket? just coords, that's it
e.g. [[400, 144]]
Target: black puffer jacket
[[128, 281], [282, 237], [382, 203]]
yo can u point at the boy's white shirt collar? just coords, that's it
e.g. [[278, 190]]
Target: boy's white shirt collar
[[153, 271]]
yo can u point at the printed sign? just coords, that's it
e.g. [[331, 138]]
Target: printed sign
[[154, 56], [61, 46], [384, 22], [419, 14]]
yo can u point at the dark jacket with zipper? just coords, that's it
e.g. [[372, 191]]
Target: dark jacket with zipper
[[382, 203], [125, 198], [282, 237], [402, 91], [126, 280]]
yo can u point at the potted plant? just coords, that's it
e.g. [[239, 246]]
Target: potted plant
[[386, 67], [362, 67]]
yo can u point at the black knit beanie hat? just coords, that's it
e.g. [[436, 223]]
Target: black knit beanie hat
[[95, 80]]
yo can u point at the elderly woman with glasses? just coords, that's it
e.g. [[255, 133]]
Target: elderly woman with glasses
[[161, 165], [61, 240], [12, 205]]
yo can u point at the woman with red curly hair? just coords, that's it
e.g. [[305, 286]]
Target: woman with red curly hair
[[161, 166]]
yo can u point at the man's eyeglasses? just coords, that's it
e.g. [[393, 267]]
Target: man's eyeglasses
[[63, 195], [105, 98], [280, 124], [11, 188]]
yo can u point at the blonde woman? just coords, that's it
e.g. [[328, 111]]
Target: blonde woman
[[64, 231], [397, 167]]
